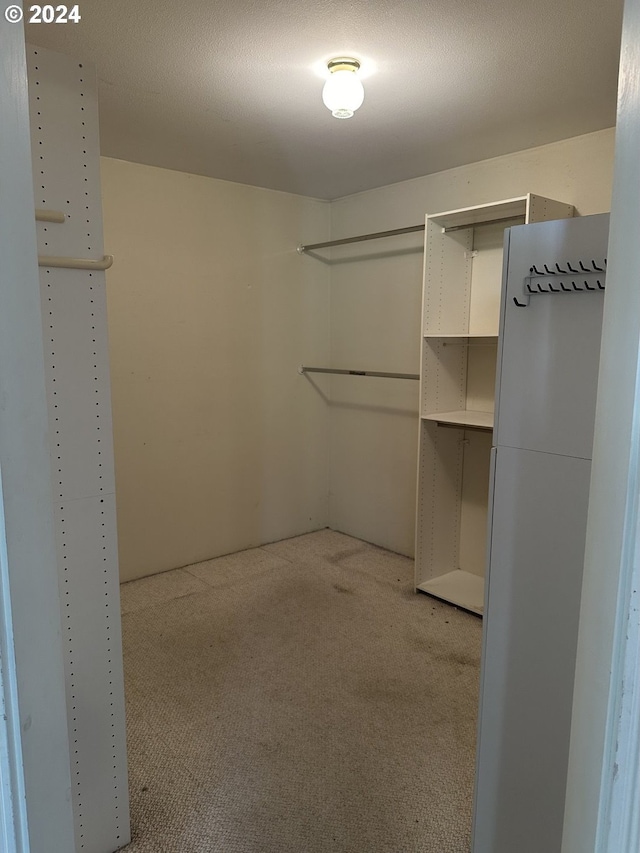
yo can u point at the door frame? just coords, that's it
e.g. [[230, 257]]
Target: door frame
[[603, 787], [35, 808]]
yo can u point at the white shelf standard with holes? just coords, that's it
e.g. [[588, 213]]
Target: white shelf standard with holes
[[63, 101], [460, 317]]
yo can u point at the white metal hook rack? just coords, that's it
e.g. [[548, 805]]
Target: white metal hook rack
[[572, 279]]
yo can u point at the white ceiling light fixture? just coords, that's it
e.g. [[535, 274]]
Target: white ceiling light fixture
[[343, 92]]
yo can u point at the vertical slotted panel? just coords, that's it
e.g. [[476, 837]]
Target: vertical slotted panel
[[65, 150]]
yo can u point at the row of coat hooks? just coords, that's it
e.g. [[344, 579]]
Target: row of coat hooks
[[558, 271], [574, 287], [588, 277]]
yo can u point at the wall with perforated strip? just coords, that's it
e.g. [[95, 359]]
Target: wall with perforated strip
[[65, 153]]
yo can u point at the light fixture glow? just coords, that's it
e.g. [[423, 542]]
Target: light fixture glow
[[343, 92]]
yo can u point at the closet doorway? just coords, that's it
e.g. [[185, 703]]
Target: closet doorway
[[265, 518]]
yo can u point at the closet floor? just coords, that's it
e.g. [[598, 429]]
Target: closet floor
[[299, 698]]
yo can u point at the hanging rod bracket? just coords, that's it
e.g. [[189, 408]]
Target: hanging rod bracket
[[50, 216], [102, 263]]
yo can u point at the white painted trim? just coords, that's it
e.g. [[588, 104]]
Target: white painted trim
[[620, 828], [619, 824], [603, 788], [14, 829]]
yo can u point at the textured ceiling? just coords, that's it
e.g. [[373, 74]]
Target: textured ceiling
[[228, 88]]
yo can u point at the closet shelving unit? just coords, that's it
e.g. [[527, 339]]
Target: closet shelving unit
[[462, 286]]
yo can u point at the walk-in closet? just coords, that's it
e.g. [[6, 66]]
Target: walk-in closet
[[320, 392]]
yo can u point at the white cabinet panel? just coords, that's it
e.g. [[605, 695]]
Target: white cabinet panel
[[549, 353], [548, 358], [537, 549]]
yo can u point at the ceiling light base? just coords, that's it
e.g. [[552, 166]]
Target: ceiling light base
[[344, 63]]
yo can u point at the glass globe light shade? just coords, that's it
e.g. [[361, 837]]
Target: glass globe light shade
[[343, 92]]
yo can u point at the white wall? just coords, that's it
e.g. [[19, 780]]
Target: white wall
[[375, 319], [219, 443]]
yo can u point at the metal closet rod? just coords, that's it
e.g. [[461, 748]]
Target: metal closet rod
[[340, 372], [378, 235], [361, 238], [75, 263]]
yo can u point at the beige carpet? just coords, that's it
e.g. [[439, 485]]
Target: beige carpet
[[299, 698]]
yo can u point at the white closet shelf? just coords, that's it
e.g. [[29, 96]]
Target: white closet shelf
[[458, 587], [463, 418], [470, 216], [461, 335]]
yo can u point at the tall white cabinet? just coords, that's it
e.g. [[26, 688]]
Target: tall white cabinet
[[462, 287], [548, 364]]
